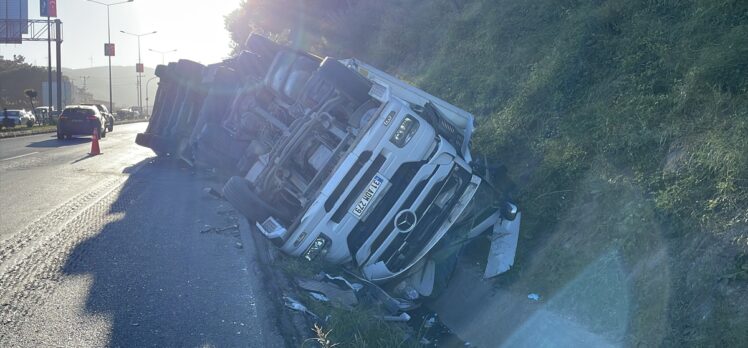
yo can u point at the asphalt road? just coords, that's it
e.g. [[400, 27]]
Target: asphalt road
[[121, 249]]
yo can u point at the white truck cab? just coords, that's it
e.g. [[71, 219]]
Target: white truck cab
[[401, 185]]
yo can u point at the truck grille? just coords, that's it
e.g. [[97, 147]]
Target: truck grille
[[430, 217], [400, 181], [375, 166], [330, 202]]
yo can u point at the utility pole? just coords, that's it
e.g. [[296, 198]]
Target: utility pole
[[85, 90], [109, 43], [85, 78], [147, 113], [140, 64], [49, 65], [58, 29], [163, 54]]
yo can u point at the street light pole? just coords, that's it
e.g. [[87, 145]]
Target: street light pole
[[140, 75], [109, 42], [147, 113], [163, 54]]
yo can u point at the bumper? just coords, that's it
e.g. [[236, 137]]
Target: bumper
[[156, 142], [82, 128]]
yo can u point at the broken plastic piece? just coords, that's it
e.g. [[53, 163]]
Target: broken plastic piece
[[402, 317], [297, 306], [391, 304], [319, 297], [338, 297], [353, 286], [212, 192], [503, 247]]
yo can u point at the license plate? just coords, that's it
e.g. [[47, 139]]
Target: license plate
[[368, 196]]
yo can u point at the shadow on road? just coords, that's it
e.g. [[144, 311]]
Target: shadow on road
[[158, 278], [54, 142]]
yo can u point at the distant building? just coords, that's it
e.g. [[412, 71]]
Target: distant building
[[67, 92]]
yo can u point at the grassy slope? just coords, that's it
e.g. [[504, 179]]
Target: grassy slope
[[625, 125]]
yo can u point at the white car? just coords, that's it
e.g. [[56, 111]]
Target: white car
[[28, 116]]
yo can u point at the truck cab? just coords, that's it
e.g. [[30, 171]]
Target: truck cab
[[374, 180]]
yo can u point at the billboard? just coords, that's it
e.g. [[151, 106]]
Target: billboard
[[48, 8], [14, 17], [67, 93]]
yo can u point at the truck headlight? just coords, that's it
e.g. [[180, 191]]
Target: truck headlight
[[318, 246], [404, 131]]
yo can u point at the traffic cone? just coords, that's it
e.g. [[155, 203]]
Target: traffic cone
[[95, 143]]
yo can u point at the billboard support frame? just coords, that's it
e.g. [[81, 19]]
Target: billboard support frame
[[36, 28]]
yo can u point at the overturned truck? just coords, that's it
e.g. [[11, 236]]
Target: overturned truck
[[336, 160]]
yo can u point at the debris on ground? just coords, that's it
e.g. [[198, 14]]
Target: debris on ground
[[219, 230], [338, 297], [392, 305], [403, 317], [297, 306], [319, 297], [211, 192], [353, 286]]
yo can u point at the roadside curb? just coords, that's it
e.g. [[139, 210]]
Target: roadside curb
[[295, 328], [31, 131]]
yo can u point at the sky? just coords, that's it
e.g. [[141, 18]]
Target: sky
[[195, 28]]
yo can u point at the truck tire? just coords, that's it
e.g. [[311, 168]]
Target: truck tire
[[347, 81], [262, 46], [246, 201]]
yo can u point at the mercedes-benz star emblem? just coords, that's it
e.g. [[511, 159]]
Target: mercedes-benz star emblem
[[405, 221]]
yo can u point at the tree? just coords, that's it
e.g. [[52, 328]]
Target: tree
[[292, 21]]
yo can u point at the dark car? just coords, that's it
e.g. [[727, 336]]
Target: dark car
[[80, 120], [108, 115]]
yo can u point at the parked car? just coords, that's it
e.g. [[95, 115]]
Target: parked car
[[81, 120], [128, 113], [42, 113], [108, 115], [17, 117]]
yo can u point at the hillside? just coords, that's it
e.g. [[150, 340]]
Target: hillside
[[124, 82], [624, 124], [16, 76]]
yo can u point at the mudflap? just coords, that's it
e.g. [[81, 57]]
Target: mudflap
[[143, 139]]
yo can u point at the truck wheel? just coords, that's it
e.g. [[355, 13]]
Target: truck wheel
[[60, 136], [245, 200], [262, 46], [345, 80], [110, 127]]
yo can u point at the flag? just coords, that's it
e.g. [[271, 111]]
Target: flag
[[48, 8], [52, 8]]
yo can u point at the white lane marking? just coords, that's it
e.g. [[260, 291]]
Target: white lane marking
[[10, 158]]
